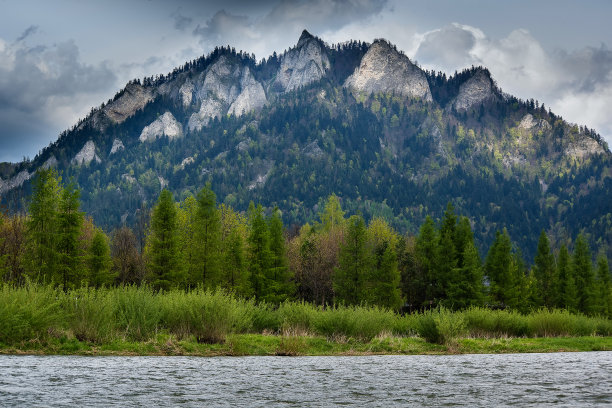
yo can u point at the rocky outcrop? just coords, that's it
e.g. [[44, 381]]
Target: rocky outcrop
[[302, 65], [530, 123], [251, 97], [474, 91], [384, 69], [209, 109], [165, 125], [117, 146], [186, 93], [584, 147], [87, 154], [50, 162], [133, 98], [13, 182]]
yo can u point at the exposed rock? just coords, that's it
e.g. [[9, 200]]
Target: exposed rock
[[584, 147], [209, 109], [313, 150], [134, 97], [117, 146], [165, 125], [163, 183], [530, 123], [86, 154], [262, 177], [306, 63], [244, 145], [50, 162], [129, 178], [221, 81], [186, 93], [384, 69], [186, 161], [474, 91], [251, 97], [13, 182]]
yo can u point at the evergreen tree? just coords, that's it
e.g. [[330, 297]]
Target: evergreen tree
[[162, 245], [501, 268], [41, 239], [189, 242], [383, 287], [354, 264], [208, 230], [585, 279], [426, 249], [99, 261], [280, 285], [332, 214], [466, 289], [69, 224], [258, 252], [233, 251], [566, 288], [604, 288], [545, 274]]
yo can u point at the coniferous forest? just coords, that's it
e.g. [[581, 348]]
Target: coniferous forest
[[338, 260]]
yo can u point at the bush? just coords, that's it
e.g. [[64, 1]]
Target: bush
[[137, 312], [92, 314]]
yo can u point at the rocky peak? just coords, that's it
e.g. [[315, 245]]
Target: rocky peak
[[530, 123], [384, 69], [306, 63], [87, 154], [477, 89]]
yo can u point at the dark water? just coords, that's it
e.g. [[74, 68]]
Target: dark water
[[559, 379]]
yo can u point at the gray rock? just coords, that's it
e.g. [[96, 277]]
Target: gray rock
[[302, 65], [530, 123], [50, 162], [117, 146], [384, 69], [251, 97], [209, 109], [186, 93], [165, 125], [87, 154], [583, 147], [134, 97], [13, 182], [474, 91]]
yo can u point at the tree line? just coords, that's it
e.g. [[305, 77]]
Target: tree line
[[336, 260]]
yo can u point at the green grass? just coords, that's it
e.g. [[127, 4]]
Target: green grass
[[137, 320]]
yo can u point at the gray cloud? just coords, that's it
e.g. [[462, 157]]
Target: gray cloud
[[28, 32], [448, 47]]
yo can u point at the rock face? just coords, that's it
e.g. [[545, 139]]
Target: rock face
[[474, 91], [302, 65], [584, 147], [86, 154], [17, 181], [225, 87], [117, 146], [134, 97], [186, 93], [165, 125], [384, 69], [50, 162], [530, 123]]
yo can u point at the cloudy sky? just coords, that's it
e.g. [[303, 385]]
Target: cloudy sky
[[60, 58]]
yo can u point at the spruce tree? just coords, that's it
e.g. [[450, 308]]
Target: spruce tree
[[280, 285], [604, 288], [585, 278], [69, 224], [383, 288], [99, 261], [426, 249], [258, 252], [41, 256], [566, 287], [466, 287], [189, 243], [501, 269], [162, 245], [208, 237], [353, 265], [545, 274]]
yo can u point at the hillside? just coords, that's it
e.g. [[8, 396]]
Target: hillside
[[359, 120]]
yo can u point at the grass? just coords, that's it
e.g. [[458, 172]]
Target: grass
[[137, 321]]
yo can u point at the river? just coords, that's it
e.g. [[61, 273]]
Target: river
[[555, 379]]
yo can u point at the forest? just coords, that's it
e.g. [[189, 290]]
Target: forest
[[337, 261]]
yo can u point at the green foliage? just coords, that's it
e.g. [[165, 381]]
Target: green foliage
[[354, 264], [545, 274], [258, 252], [162, 245], [207, 235], [604, 288], [566, 291], [99, 261], [69, 224], [584, 276]]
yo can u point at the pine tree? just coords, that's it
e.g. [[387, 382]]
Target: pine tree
[[208, 236], [466, 289], [189, 244], [69, 224], [501, 269], [585, 278], [383, 288], [566, 287], [545, 274], [604, 288], [354, 264], [41, 239], [162, 245], [280, 285], [99, 261], [258, 252]]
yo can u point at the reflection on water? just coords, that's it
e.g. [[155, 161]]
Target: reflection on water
[[559, 379]]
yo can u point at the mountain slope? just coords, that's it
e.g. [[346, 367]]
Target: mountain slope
[[359, 120]]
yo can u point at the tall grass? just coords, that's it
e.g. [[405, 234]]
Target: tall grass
[[39, 313]]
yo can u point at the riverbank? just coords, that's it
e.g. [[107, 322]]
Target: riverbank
[[277, 345]]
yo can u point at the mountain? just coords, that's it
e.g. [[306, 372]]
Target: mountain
[[356, 119]]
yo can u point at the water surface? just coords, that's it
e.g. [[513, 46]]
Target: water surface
[[559, 379]]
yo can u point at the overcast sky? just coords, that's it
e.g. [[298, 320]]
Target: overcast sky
[[60, 58]]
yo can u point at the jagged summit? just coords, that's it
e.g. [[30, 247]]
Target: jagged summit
[[305, 36], [384, 69], [477, 89]]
